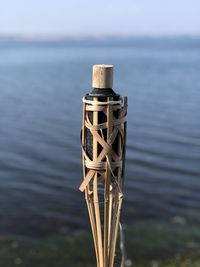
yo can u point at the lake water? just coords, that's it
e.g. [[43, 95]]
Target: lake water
[[41, 89]]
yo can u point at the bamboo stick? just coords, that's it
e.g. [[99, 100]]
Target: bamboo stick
[[88, 196], [113, 223], [115, 232], [93, 227], [124, 145], [107, 186], [117, 208], [110, 217], [96, 198]]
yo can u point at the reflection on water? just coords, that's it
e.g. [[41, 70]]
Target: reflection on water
[[41, 87]]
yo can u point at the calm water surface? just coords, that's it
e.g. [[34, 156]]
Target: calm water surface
[[41, 87]]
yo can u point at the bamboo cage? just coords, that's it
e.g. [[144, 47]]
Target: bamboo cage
[[103, 141]]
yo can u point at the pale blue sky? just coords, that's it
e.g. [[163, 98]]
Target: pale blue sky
[[92, 17]]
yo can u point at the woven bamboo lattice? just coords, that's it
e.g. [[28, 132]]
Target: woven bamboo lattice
[[103, 152]]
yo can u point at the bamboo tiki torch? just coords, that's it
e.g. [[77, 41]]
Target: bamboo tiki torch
[[103, 141]]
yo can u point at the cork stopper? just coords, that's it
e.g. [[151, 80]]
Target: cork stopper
[[102, 76]]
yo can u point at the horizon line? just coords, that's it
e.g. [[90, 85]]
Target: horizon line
[[74, 37]]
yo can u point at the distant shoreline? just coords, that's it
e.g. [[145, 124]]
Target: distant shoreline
[[91, 37]]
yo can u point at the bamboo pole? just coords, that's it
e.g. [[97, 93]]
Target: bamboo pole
[[117, 203], [110, 217], [115, 230], [96, 197], [92, 222], [107, 208], [88, 196]]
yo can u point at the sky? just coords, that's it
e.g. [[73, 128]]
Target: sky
[[100, 17]]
